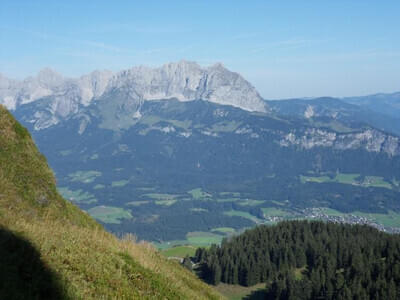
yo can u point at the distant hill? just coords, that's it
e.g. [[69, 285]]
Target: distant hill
[[50, 249], [381, 111], [387, 104], [308, 260]]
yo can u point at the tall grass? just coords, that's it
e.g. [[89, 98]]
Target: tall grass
[[80, 259]]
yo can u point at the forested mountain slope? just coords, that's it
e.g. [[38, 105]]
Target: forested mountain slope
[[309, 260]]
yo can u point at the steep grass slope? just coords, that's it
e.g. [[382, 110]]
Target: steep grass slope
[[49, 249]]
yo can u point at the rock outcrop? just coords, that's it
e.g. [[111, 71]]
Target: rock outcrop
[[370, 140]]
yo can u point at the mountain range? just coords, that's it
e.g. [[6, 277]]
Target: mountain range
[[184, 81], [185, 154]]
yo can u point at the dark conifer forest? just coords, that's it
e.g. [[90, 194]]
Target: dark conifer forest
[[308, 260]]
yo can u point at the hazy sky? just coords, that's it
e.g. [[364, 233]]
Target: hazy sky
[[298, 49]]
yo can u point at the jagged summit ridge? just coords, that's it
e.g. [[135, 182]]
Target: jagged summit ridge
[[187, 81], [83, 90], [183, 80]]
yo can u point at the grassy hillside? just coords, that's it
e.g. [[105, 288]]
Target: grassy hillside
[[49, 249]]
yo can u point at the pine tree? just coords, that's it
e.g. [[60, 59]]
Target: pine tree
[[216, 271], [235, 275], [392, 291]]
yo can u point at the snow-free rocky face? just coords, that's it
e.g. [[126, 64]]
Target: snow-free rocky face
[[186, 81]]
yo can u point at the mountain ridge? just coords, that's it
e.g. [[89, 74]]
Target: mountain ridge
[[382, 114], [183, 80]]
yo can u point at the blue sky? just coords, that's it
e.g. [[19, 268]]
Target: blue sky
[[297, 49]]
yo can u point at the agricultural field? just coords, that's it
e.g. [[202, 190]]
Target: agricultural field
[[339, 178], [171, 244], [243, 214], [346, 178], [99, 186], [179, 251], [392, 219], [156, 196], [199, 209], [319, 179], [65, 152], [251, 202], [354, 179], [119, 183], [84, 176], [275, 212], [198, 194], [226, 230], [109, 214], [77, 196], [194, 240], [146, 188], [165, 202], [332, 212], [228, 200], [200, 238], [376, 181], [137, 203], [94, 156]]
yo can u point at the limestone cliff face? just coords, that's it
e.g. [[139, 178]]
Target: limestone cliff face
[[187, 81], [57, 97], [370, 139], [62, 97]]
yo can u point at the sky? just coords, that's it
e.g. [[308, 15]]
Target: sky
[[286, 49]]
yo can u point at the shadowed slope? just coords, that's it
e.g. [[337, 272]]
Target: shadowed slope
[[23, 274]]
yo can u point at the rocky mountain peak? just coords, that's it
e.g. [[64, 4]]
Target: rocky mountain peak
[[182, 64], [93, 85], [217, 66], [187, 81], [49, 77], [183, 80]]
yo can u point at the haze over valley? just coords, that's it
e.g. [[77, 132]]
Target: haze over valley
[[199, 150], [145, 150]]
